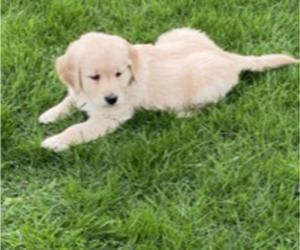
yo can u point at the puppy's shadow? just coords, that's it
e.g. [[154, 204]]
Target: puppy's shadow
[[150, 121], [247, 80], [250, 77]]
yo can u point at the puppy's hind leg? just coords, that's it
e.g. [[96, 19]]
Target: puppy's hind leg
[[184, 114], [57, 111]]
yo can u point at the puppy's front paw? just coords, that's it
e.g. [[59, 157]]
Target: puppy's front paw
[[48, 117], [56, 143]]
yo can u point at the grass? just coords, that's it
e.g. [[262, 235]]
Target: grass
[[224, 179]]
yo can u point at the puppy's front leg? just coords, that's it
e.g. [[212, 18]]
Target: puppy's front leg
[[79, 133], [63, 108]]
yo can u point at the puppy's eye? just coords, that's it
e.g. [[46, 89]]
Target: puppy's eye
[[95, 77], [118, 74]]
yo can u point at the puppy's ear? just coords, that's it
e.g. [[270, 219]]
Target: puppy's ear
[[134, 61], [67, 72]]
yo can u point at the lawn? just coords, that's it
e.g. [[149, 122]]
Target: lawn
[[226, 178]]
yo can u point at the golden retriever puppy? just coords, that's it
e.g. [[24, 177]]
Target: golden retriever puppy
[[109, 79]]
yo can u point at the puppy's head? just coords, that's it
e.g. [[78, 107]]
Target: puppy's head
[[101, 66]]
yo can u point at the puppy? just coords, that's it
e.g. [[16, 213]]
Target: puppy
[[109, 79]]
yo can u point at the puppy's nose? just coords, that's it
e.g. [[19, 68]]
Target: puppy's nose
[[111, 99]]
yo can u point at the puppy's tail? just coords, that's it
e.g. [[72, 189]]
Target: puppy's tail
[[260, 63]]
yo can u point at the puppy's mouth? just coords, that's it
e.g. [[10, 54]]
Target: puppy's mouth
[[110, 106]]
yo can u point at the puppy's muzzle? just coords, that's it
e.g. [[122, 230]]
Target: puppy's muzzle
[[111, 99]]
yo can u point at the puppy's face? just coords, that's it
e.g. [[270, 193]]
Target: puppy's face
[[101, 66]]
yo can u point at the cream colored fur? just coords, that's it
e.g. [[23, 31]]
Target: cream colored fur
[[184, 69]]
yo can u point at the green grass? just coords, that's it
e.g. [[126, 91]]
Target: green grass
[[224, 179]]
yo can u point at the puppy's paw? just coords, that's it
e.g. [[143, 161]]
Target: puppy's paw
[[184, 114], [48, 117], [56, 143]]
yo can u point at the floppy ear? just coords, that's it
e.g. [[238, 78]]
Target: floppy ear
[[134, 58], [67, 72]]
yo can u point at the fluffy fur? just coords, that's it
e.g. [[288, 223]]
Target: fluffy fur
[[184, 69]]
